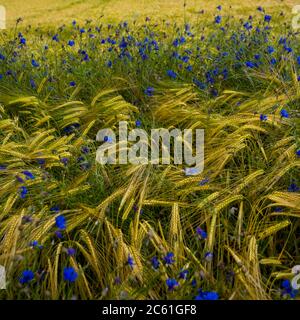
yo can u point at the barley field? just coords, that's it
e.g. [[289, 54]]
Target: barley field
[[72, 228]]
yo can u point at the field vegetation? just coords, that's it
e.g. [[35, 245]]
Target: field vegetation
[[71, 228]]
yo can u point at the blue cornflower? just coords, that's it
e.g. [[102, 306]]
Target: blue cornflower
[[85, 149], [19, 179], [155, 262], [86, 57], [225, 73], [219, 7], [207, 295], [285, 284], [263, 117], [123, 44], [71, 128], [61, 222], [71, 251], [250, 64], [298, 60], [109, 64], [257, 56], [270, 49], [218, 19], [71, 43], [35, 244], [149, 91], [199, 84], [293, 187], [183, 274], [201, 233], [55, 38], [298, 153], [260, 9], [35, 63], [82, 30], [72, 84], [22, 41], [32, 83], [185, 59], [176, 43], [282, 41], [175, 55], [288, 49], [267, 18], [58, 234], [64, 160], [171, 283], [23, 192], [172, 74], [169, 258], [284, 113], [28, 175], [182, 40], [130, 261], [27, 276], [194, 283], [41, 161], [70, 274], [138, 123], [74, 22], [215, 71], [273, 61], [247, 25], [288, 290]]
